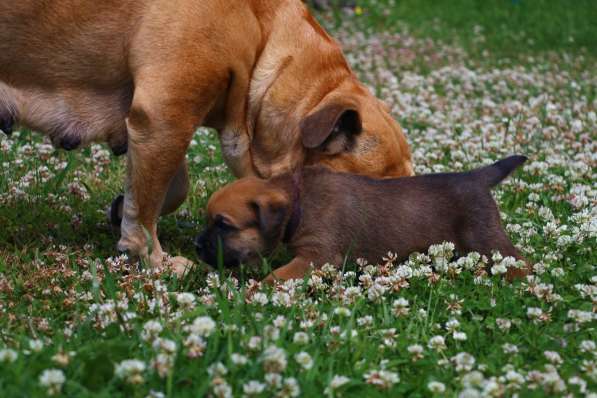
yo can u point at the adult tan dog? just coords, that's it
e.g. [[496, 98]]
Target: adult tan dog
[[144, 74], [325, 216]]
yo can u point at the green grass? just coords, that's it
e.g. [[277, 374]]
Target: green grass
[[59, 286], [504, 27]]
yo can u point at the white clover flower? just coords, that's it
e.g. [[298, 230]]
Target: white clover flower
[[274, 359], [52, 380], [271, 333], [375, 292], [202, 326], [353, 334], [290, 388], [260, 298], [437, 343], [499, 268], [336, 382], [492, 388], [503, 324], [473, 379], [463, 362], [557, 272], [469, 393], [151, 329], [515, 380], [553, 357], [221, 389], [61, 358], [383, 379], [581, 316], [166, 346], [416, 350], [590, 368], [452, 325], [8, 355], [238, 359], [217, 369], [213, 280], [273, 380], [254, 343], [459, 336], [36, 345], [304, 360], [365, 321], [155, 394], [195, 345], [436, 387], [509, 348], [582, 384], [534, 313], [300, 338], [587, 346], [186, 300], [253, 387], [400, 307], [280, 321], [131, 371], [162, 364], [441, 255], [342, 311]]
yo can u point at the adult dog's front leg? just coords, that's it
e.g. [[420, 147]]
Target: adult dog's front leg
[[159, 136], [175, 196]]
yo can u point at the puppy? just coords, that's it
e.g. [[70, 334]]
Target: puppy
[[325, 215]]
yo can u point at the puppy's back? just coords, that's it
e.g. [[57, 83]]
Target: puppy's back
[[371, 216]]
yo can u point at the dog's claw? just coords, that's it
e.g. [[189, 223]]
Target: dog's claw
[[115, 211], [119, 150], [6, 124], [70, 143]]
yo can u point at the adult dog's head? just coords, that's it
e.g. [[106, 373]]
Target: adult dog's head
[[306, 106]]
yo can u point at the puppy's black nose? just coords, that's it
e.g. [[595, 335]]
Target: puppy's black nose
[[199, 243]]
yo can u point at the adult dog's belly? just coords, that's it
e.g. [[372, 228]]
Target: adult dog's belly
[[64, 69], [69, 117]]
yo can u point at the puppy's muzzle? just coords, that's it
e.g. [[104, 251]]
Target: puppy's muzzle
[[201, 244]]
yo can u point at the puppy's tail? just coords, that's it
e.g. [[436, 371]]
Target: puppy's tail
[[495, 173]]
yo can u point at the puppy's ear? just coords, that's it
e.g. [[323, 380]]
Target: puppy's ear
[[331, 128], [272, 210]]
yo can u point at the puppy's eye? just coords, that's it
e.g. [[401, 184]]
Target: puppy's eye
[[223, 224]]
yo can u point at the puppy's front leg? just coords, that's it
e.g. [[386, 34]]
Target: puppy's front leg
[[296, 269]]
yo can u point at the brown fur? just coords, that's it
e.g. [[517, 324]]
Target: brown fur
[[147, 73], [360, 217]]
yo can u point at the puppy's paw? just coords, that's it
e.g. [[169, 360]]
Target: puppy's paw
[[180, 265], [270, 279]]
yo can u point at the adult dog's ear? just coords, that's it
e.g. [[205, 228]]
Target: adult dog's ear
[[272, 211], [331, 128]]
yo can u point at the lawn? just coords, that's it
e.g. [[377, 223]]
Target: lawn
[[75, 321]]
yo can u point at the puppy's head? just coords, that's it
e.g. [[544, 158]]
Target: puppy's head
[[245, 220]]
